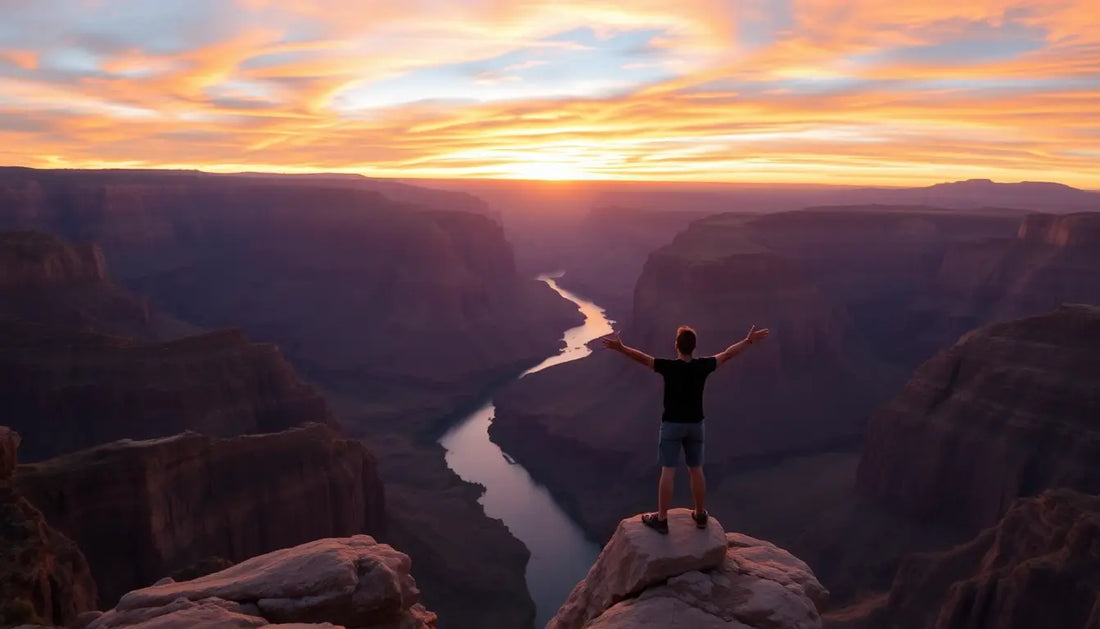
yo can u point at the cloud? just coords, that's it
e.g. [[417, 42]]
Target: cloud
[[808, 90]]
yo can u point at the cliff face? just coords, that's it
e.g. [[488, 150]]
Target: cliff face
[[36, 259], [50, 281], [143, 509], [692, 578], [43, 575], [1053, 260], [71, 390], [1013, 408], [1038, 567], [356, 287]]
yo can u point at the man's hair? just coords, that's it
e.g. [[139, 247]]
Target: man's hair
[[685, 340]]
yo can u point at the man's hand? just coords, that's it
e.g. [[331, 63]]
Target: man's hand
[[755, 335], [613, 341]]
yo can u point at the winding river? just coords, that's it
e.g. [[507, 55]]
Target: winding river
[[560, 554]]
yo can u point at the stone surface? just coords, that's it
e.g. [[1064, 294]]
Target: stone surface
[[174, 501], [638, 557], [43, 575], [1012, 409], [752, 585], [353, 582], [1038, 567]]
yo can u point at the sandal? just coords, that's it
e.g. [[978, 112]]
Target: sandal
[[652, 521], [700, 519]]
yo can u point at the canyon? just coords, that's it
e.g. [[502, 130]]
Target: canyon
[[849, 323], [366, 317], [275, 256]]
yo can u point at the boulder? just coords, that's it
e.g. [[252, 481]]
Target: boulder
[[351, 582], [638, 557], [683, 581]]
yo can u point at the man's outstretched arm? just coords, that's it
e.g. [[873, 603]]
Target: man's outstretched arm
[[615, 343], [753, 336]]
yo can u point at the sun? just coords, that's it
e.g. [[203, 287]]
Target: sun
[[547, 170]]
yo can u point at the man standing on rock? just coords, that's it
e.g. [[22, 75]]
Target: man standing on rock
[[682, 426]]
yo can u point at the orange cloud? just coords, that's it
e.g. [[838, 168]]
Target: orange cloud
[[842, 91]]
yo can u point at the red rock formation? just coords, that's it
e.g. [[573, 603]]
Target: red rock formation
[[1038, 567], [143, 509], [1012, 409], [43, 575]]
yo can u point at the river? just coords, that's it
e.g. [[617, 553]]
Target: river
[[560, 554]]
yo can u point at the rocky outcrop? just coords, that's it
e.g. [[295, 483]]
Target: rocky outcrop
[[43, 575], [352, 582], [1038, 567], [174, 501], [48, 281], [692, 578], [67, 390], [1012, 409], [37, 259]]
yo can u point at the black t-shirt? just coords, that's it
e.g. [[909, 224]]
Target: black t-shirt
[[684, 380]]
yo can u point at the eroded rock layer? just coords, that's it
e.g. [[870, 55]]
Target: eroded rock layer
[[43, 575], [144, 509], [1012, 409]]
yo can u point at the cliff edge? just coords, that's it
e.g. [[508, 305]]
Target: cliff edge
[[692, 578]]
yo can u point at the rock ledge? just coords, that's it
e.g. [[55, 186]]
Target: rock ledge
[[692, 578]]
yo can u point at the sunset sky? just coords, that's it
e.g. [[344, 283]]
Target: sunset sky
[[831, 91]]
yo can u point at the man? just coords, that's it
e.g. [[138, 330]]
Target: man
[[682, 426]]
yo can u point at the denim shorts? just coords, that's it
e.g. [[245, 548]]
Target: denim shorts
[[676, 437]]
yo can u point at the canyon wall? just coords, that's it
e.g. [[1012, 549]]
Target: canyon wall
[[1012, 409], [357, 288], [143, 509], [1039, 566], [44, 578]]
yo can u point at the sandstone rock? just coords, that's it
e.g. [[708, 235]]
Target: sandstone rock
[[43, 575], [1012, 409], [1038, 567], [352, 582], [174, 501], [753, 585], [638, 557]]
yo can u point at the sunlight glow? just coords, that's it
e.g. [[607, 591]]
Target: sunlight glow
[[852, 91]]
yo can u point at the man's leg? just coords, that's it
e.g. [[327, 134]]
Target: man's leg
[[694, 442], [698, 489], [664, 491]]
